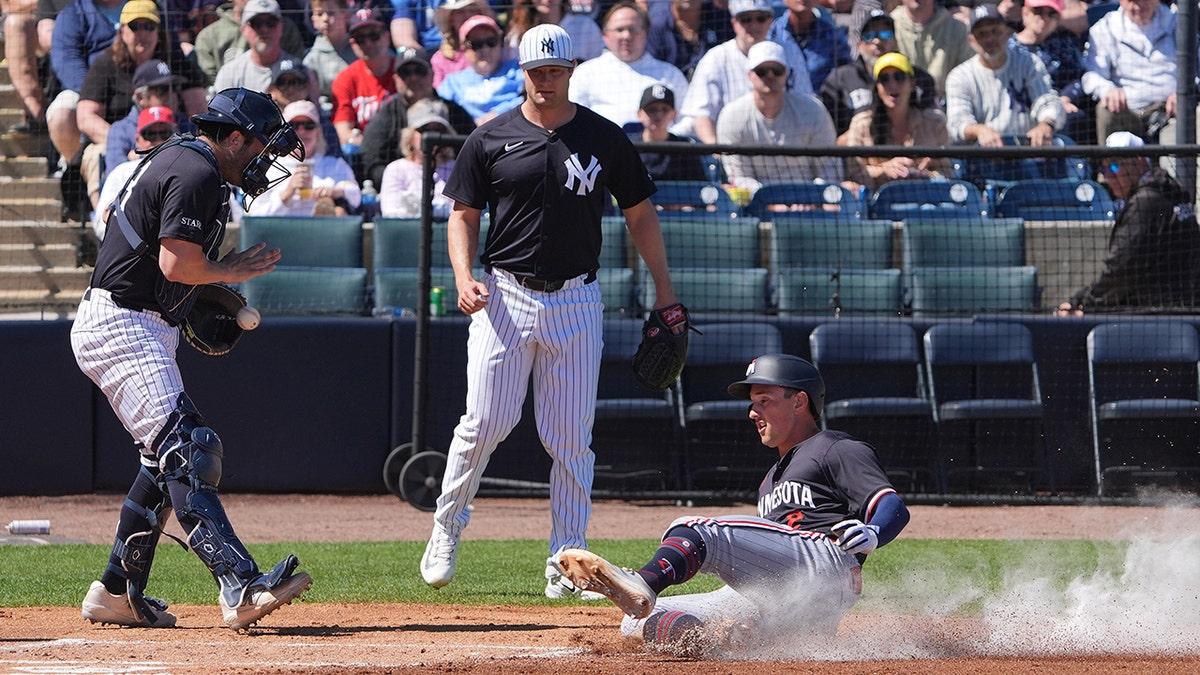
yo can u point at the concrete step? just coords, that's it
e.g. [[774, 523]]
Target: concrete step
[[51, 281], [32, 234], [30, 188], [54, 255], [23, 146], [24, 167], [39, 209], [9, 114], [39, 304]]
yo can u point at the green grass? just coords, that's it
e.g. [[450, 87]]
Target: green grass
[[902, 577]]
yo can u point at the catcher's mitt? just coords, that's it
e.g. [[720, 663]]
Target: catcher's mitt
[[211, 327], [660, 356]]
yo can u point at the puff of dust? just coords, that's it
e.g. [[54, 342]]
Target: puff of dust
[[1146, 603]]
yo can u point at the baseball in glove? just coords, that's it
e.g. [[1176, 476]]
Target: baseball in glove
[[211, 326], [660, 356]]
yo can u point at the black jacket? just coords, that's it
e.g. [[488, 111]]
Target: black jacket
[[1153, 253]]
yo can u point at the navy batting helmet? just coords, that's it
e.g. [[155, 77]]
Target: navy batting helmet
[[784, 370]]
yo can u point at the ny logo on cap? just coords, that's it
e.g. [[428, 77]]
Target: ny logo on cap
[[659, 92], [163, 69], [548, 45]]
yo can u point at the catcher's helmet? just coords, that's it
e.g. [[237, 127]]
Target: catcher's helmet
[[783, 370], [256, 115]]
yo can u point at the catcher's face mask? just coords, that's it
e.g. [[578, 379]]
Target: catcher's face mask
[[257, 116]]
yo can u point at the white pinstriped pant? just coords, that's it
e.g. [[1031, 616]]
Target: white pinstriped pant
[[778, 577], [130, 355], [556, 337]]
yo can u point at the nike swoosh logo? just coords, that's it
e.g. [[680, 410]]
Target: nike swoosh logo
[[511, 146]]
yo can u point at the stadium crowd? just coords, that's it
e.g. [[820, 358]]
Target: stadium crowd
[[805, 73]]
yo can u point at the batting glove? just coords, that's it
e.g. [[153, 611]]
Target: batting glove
[[855, 537]]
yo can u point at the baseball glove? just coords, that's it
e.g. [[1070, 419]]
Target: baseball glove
[[663, 349], [211, 326]]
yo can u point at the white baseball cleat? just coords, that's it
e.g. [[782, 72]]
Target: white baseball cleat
[[589, 572], [438, 561], [260, 602], [558, 586], [100, 606]]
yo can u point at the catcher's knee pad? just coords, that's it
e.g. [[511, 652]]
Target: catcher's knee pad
[[187, 450]]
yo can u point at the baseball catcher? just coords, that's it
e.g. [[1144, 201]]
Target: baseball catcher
[[660, 356], [796, 568], [153, 277]]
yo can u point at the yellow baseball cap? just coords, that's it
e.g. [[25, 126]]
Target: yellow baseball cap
[[139, 9], [894, 60]]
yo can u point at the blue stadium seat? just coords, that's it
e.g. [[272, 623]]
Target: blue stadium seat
[[307, 241], [308, 290], [799, 241], [728, 291], [693, 242], [773, 199], [875, 390], [396, 288], [843, 292], [960, 291], [1144, 401], [723, 448], [637, 435], [617, 288], [926, 199], [1055, 200], [991, 242], [690, 199], [987, 403]]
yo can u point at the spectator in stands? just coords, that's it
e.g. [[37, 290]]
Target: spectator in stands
[[331, 51], [321, 185], [809, 28], [612, 83], [292, 83], [154, 86], [255, 68], [772, 115], [400, 193], [82, 32], [896, 118], [414, 82], [586, 39], [657, 113], [695, 29], [1060, 51], [1131, 69], [366, 84], [451, 57], [720, 76], [21, 52], [414, 24], [1002, 91], [108, 88], [492, 84], [931, 38], [223, 40], [155, 125], [1154, 250], [849, 89]]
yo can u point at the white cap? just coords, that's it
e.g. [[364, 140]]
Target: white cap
[[741, 6], [765, 52], [1123, 139], [546, 44]]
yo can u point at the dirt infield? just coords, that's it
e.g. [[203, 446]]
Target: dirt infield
[[580, 639]]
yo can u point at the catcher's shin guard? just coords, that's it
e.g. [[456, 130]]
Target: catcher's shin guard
[[138, 532], [190, 457]]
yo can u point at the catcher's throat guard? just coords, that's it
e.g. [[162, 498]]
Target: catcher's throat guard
[[211, 326]]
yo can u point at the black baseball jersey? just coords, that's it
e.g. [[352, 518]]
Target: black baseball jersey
[[823, 481], [546, 190], [178, 193]]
